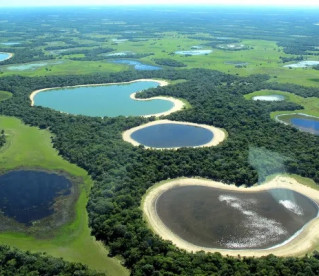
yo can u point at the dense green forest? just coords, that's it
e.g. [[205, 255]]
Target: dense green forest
[[122, 173], [14, 262]]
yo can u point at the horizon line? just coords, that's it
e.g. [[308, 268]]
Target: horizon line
[[166, 5]]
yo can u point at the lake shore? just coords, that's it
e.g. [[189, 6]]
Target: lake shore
[[219, 134], [300, 244], [34, 93], [10, 55]]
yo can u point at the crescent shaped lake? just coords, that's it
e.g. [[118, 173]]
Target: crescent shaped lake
[[216, 218], [172, 135], [103, 100]]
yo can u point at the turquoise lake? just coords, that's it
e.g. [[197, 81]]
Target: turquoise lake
[[169, 135], [4, 56], [106, 100]]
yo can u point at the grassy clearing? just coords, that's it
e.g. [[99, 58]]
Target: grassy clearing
[[311, 104], [30, 147], [4, 95], [264, 58]]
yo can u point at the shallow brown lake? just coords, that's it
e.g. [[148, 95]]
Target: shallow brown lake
[[216, 218]]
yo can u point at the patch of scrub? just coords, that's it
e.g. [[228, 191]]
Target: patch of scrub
[[116, 99], [197, 214], [5, 95], [119, 54], [194, 52], [137, 65], [5, 56], [269, 98], [300, 121], [303, 64], [166, 134]]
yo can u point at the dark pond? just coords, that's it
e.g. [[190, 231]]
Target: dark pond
[[216, 218], [28, 196], [169, 135], [137, 65]]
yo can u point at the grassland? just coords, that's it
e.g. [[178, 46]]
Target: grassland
[[311, 104], [262, 58], [4, 95], [29, 147]]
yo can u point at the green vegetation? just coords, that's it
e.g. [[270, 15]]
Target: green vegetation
[[310, 105], [29, 147], [17, 263], [4, 95], [122, 173]]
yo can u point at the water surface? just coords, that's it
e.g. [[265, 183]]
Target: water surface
[[194, 52], [170, 135], [106, 100], [137, 65], [306, 124], [4, 56], [216, 218], [269, 98], [27, 196], [303, 64]]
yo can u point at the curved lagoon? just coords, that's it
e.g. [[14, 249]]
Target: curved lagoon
[[170, 135], [103, 100], [4, 56], [216, 218], [269, 98], [302, 122], [28, 196], [137, 65]]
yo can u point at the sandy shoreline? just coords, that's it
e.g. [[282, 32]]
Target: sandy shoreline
[[177, 104], [10, 55], [303, 243], [34, 93], [219, 134]]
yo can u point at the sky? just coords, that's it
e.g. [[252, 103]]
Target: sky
[[24, 3]]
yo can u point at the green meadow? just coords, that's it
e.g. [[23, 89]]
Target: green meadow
[[310, 105], [262, 57], [29, 147]]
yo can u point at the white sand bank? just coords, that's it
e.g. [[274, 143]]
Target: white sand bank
[[219, 134], [301, 244]]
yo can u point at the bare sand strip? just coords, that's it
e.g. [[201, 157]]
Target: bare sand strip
[[177, 104], [219, 134], [301, 244], [34, 93], [10, 55]]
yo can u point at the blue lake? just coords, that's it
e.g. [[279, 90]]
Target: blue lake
[[4, 56], [137, 65], [106, 100], [194, 52], [27, 196], [170, 135], [306, 124]]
